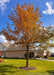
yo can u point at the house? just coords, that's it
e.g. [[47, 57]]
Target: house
[[10, 51], [17, 52], [43, 53]]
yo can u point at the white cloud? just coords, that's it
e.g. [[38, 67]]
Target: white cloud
[[12, 42], [49, 9], [3, 39], [3, 4]]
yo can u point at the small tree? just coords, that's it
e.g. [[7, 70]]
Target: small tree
[[26, 26]]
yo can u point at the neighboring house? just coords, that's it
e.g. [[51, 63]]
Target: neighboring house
[[3, 48], [52, 55], [43, 53]]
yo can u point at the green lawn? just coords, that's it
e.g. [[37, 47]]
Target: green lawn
[[10, 67], [51, 58]]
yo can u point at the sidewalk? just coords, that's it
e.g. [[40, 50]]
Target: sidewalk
[[45, 59]]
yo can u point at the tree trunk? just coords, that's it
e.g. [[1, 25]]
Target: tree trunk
[[27, 56]]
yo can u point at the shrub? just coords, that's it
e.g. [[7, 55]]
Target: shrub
[[37, 56], [31, 55], [45, 56]]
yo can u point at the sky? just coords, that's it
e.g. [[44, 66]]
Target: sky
[[46, 8]]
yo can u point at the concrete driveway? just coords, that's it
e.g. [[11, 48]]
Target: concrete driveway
[[45, 59]]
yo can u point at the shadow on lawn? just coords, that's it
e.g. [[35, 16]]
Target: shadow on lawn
[[51, 72], [7, 69]]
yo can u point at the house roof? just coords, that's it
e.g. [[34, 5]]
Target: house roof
[[8, 47], [17, 48], [6, 44]]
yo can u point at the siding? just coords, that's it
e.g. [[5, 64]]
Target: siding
[[16, 53]]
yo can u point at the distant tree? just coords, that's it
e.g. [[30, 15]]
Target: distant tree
[[46, 40], [25, 28]]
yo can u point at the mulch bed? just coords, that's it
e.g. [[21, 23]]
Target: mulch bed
[[27, 68]]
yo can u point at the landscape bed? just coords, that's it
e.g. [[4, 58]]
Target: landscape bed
[[10, 67]]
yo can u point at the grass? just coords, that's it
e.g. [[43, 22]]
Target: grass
[[51, 58], [10, 67]]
